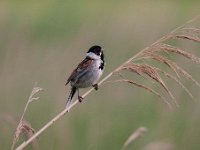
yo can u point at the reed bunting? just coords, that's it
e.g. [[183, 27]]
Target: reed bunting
[[87, 73]]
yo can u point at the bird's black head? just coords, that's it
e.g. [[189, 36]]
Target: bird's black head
[[96, 50]]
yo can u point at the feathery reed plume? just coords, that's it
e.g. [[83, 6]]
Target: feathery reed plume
[[144, 87], [134, 136], [184, 32], [148, 70], [155, 52], [177, 81], [26, 129], [23, 126]]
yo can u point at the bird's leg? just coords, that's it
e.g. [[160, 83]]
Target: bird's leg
[[96, 87], [80, 98]]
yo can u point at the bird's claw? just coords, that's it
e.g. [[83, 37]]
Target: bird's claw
[[80, 99], [96, 87]]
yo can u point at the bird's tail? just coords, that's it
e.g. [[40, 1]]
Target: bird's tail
[[71, 95]]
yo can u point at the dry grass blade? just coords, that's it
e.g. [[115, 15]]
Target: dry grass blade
[[31, 98], [191, 30], [146, 88], [141, 69], [154, 54], [179, 51], [177, 81], [187, 33], [165, 61], [34, 91], [186, 74], [23, 126], [134, 136], [188, 37], [169, 49], [176, 68]]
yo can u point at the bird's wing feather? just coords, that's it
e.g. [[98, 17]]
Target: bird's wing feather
[[83, 65]]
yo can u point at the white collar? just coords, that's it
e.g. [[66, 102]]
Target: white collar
[[92, 55]]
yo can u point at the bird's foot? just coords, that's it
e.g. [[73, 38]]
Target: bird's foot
[[96, 87], [80, 99]]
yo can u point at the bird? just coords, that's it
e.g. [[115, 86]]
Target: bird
[[87, 73]]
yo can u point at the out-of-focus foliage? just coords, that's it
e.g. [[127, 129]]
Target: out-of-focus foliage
[[42, 41]]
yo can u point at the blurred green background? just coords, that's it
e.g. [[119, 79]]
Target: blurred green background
[[42, 41]]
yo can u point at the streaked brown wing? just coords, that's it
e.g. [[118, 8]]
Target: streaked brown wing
[[84, 64]]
